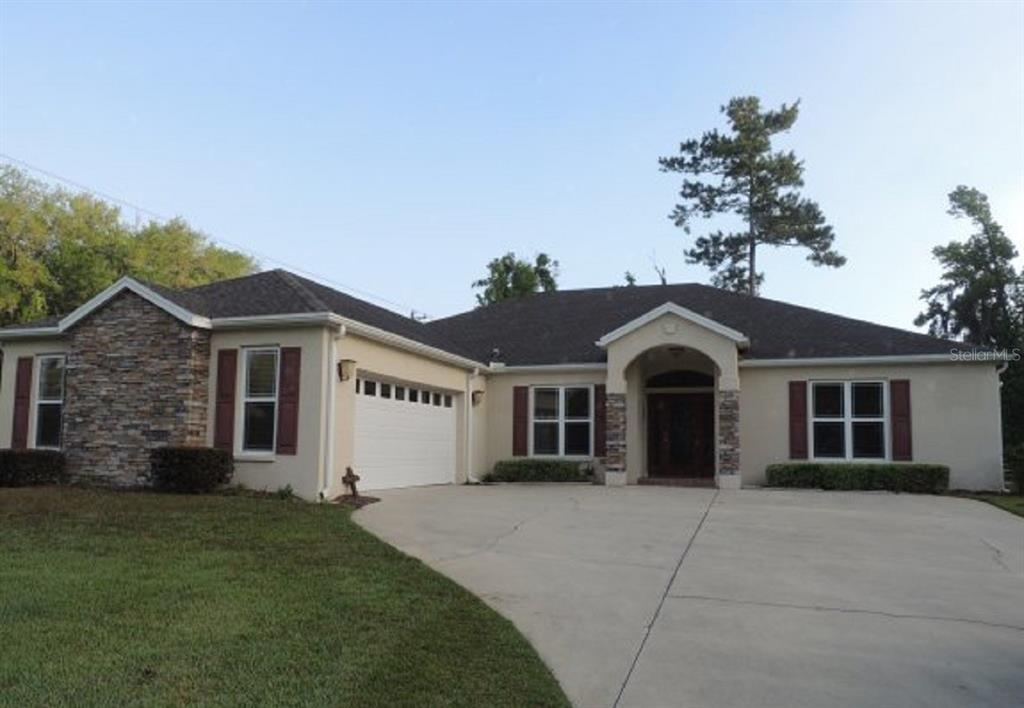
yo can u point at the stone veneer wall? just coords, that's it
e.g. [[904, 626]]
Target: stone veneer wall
[[728, 432], [615, 432], [137, 378]]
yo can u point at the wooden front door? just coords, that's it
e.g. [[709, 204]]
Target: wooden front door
[[680, 435]]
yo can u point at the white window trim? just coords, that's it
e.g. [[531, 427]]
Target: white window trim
[[38, 399], [848, 420], [561, 421], [245, 398]]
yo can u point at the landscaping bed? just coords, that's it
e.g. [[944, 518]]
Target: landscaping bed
[[113, 598]]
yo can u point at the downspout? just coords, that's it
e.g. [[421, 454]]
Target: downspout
[[329, 432]]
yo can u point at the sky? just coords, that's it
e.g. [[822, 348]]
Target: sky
[[394, 149]]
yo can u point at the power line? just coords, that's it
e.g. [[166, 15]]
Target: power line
[[413, 312]]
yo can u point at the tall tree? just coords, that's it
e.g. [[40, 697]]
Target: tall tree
[[510, 277], [59, 248], [739, 173], [980, 298]]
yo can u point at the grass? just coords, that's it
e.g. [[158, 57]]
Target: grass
[[1011, 503], [111, 598]]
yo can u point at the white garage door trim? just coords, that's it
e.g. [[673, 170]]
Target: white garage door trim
[[403, 444]]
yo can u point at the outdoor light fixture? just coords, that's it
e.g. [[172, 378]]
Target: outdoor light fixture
[[478, 396], [346, 367]]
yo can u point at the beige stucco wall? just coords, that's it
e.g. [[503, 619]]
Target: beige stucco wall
[[12, 351], [955, 416], [388, 363], [497, 440], [304, 470]]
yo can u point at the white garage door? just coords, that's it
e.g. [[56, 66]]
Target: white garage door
[[403, 442]]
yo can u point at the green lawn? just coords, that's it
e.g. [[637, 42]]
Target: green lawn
[[1011, 503], [129, 598]]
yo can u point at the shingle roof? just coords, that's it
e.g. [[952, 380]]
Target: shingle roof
[[561, 327]]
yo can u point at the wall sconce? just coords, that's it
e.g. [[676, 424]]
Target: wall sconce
[[346, 368], [477, 397]]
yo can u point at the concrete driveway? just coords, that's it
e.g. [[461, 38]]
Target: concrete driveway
[[653, 597]]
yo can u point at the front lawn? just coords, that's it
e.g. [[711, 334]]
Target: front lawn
[[131, 598], [1011, 503]]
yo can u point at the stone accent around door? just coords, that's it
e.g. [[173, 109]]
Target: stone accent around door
[[136, 379], [728, 433], [615, 432]]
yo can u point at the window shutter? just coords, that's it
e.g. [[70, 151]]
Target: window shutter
[[520, 420], [798, 420], [22, 400], [224, 411], [288, 401], [899, 402], [600, 422]]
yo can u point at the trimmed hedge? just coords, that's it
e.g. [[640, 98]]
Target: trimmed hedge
[[26, 468], [533, 470], [190, 470], [1013, 459], [911, 477]]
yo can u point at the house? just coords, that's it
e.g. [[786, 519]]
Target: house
[[676, 382]]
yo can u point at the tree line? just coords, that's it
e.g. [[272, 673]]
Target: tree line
[[59, 248]]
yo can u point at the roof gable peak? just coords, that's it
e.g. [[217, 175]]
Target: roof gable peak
[[671, 308]]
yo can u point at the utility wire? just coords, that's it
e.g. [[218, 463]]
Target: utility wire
[[413, 312]]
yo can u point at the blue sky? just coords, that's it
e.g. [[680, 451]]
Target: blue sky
[[396, 148]]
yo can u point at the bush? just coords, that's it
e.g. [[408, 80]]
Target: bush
[[190, 470], [1013, 459], [920, 478], [26, 468], [532, 470]]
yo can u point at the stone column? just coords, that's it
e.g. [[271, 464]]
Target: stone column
[[615, 439], [728, 440]]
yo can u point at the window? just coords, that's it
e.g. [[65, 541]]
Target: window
[[370, 388], [425, 397], [562, 420], [447, 401], [399, 393], [260, 402], [413, 395], [848, 420], [385, 390], [437, 399], [49, 401]]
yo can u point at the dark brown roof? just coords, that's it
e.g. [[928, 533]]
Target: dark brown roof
[[561, 327]]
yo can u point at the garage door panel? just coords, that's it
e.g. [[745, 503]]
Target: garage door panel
[[400, 444]]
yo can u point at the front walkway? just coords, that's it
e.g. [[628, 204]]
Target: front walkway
[[651, 597]]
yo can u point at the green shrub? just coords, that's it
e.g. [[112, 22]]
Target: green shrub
[[1013, 459], [26, 468], [893, 477], [190, 470], [533, 470]]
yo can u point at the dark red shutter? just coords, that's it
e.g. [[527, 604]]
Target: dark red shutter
[[899, 401], [288, 401], [224, 412], [520, 420], [600, 421], [798, 420], [22, 399]]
